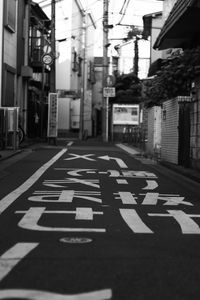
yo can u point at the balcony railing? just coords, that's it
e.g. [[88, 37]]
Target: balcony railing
[[36, 46]]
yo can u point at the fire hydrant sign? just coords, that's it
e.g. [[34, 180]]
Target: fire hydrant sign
[[52, 129]]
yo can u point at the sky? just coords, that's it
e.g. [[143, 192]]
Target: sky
[[121, 13]]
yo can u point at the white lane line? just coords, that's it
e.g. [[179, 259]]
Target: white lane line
[[13, 256], [11, 197], [122, 181], [128, 149], [69, 144], [41, 295]]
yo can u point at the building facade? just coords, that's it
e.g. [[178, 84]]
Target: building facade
[[24, 80], [75, 32], [180, 115]]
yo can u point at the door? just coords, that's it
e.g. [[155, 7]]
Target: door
[[184, 135]]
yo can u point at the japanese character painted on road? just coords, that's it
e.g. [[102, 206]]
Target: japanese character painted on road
[[188, 226], [139, 174], [126, 197], [169, 199], [33, 215], [136, 224], [61, 183], [151, 185], [151, 199], [110, 173], [76, 172], [66, 196]]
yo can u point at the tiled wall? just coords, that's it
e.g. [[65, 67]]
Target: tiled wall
[[169, 143], [195, 128]]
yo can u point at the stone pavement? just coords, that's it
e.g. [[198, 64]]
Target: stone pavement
[[136, 152]]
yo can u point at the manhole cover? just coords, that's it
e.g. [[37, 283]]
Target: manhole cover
[[75, 240]]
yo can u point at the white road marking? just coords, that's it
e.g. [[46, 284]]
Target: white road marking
[[65, 196], [128, 149], [75, 172], [85, 181], [153, 198], [122, 181], [33, 215], [11, 197], [119, 161], [111, 173], [59, 183], [13, 256], [41, 295], [76, 156], [188, 226], [126, 197], [151, 185], [134, 222], [69, 144]]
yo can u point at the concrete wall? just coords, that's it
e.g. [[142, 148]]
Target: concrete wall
[[195, 128], [169, 143], [150, 131], [156, 27], [63, 34], [154, 130]]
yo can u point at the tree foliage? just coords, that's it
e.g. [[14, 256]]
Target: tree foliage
[[128, 88], [175, 77]]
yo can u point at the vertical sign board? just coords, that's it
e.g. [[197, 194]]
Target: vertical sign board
[[52, 130]]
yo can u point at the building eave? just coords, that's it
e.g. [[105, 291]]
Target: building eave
[[181, 26]]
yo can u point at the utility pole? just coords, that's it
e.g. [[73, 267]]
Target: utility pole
[[53, 46], [105, 69], [84, 36], [136, 56]]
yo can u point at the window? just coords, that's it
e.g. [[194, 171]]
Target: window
[[80, 66], [10, 14], [74, 61], [9, 83]]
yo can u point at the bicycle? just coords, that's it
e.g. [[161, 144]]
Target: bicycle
[[20, 135]]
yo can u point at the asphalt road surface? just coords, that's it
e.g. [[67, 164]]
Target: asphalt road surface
[[88, 221]]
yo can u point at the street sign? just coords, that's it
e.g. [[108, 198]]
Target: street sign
[[47, 59], [110, 80], [52, 129], [109, 92]]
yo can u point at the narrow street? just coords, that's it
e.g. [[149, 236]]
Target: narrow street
[[89, 221]]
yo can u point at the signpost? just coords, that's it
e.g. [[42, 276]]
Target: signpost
[[47, 59], [108, 92], [52, 130]]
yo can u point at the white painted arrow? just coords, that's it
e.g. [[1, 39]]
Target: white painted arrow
[[120, 162]]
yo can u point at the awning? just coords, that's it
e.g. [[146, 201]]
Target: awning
[[181, 27]]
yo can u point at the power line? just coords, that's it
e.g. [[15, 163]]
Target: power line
[[121, 10], [123, 15]]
